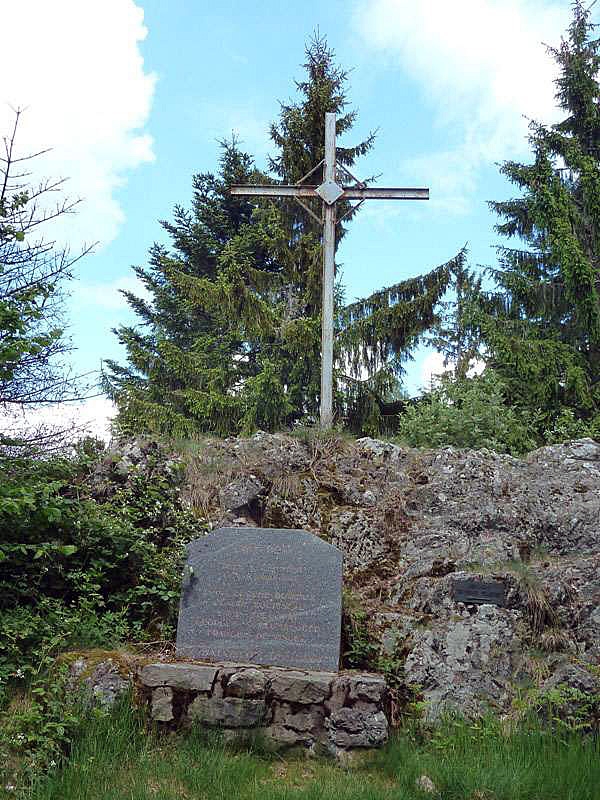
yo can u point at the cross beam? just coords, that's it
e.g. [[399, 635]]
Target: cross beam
[[348, 192], [330, 192]]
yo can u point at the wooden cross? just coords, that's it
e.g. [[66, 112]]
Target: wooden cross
[[330, 192]]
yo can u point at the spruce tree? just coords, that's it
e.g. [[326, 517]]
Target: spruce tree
[[185, 360], [541, 328], [230, 340]]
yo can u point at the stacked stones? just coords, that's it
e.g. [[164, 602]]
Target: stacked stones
[[321, 711]]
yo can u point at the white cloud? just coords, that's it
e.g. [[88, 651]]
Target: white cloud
[[76, 66], [91, 417], [482, 66], [107, 296], [242, 120], [432, 367]]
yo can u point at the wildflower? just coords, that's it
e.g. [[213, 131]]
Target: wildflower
[[19, 673], [10, 787]]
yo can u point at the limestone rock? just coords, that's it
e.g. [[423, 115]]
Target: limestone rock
[[189, 677], [395, 630], [464, 663], [162, 704], [574, 677], [228, 712], [425, 784], [371, 688], [351, 727], [357, 536], [101, 683], [248, 683], [379, 449], [579, 693], [241, 492], [300, 687]]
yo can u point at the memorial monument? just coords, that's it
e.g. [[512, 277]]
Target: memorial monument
[[262, 596]]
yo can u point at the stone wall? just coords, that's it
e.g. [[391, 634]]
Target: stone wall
[[322, 711]]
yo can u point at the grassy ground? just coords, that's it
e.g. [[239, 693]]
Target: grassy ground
[[116, 759]]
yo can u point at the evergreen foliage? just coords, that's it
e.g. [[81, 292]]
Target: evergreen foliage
[[230, 337], [541, 329]]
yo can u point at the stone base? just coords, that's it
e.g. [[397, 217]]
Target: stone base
[[323, 711]]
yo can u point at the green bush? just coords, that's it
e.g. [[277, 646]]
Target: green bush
[[467, 413], [91, 550], [79, 570], [567, 427]]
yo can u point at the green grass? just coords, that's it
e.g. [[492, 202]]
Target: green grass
[[117, 760]]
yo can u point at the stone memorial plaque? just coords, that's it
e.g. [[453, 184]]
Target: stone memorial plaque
[[262, 596], [480, 592]]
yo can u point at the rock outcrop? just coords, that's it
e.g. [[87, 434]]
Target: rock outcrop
[[410, 524]]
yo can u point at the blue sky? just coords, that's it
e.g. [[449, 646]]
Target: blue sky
[[134, 94]]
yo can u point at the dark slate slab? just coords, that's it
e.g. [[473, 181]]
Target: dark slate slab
[[262, 596], [480, 592]]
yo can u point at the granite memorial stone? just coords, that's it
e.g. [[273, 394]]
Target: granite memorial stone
[[262, 596]]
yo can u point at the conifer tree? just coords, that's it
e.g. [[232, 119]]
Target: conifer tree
[[542, 327], [230, 339]]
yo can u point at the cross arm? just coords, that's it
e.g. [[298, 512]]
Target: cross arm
[[383, 193], [350, 192], [248, 190]]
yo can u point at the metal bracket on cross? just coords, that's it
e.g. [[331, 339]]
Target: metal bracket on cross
[[330, 192]]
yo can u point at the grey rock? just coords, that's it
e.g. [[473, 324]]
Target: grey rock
[[464, 663], [339, 694], [162, 704], [300, 687], [241, 492], [366, 705], [357, 535], [579, 693], [426, 785], [379, 449], [282, 736], [101, 683], [395, 631], [568, 453], [351, 727], [249, 683], [227, 712], [308, 719], [367, 687], [574, 677], [189, 677]]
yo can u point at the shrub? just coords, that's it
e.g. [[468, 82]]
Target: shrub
[[469, 413], [77, 569], [567, 427]]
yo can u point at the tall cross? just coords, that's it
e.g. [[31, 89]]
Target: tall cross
[[330, 192]]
